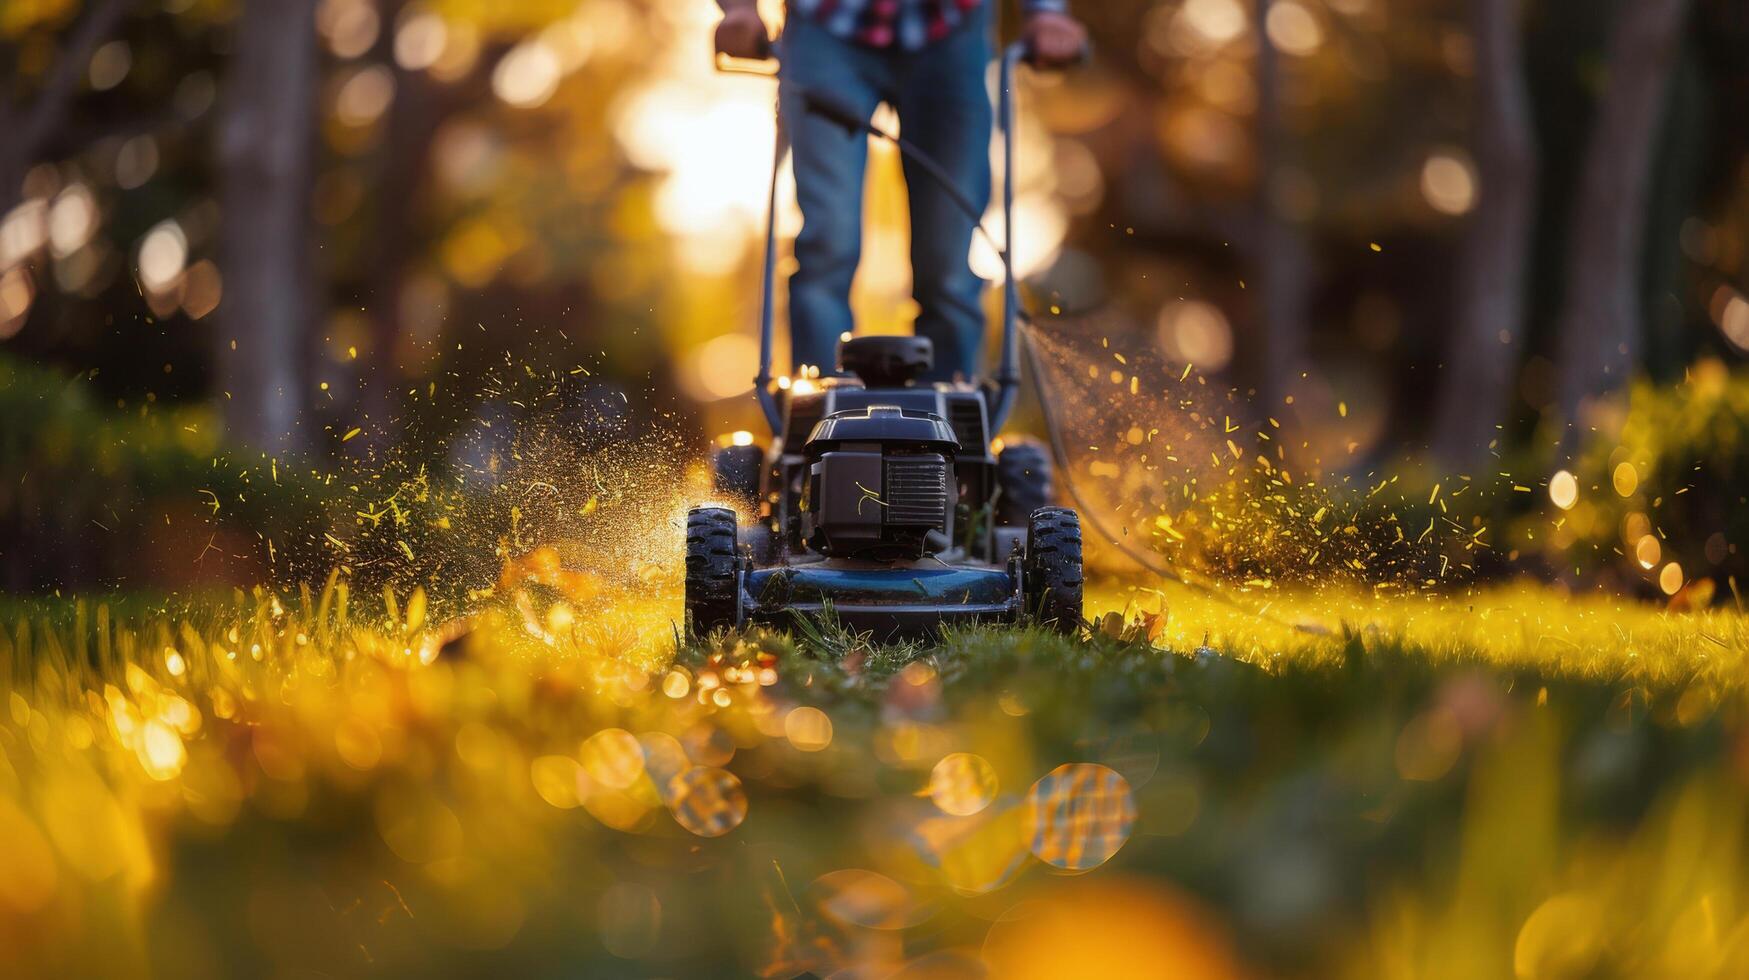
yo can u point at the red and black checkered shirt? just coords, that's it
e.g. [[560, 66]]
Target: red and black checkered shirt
[[908, 24]]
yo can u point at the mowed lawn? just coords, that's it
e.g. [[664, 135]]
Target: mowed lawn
[[1511, 781]]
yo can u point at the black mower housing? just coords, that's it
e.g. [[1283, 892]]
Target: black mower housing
[[879, 480]]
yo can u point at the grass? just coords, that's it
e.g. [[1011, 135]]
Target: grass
[[1509, 781]]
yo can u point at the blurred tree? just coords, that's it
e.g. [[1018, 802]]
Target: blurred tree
[[32, 117], [1279, 252], [266, 152], [1488, 326], [1599, 334]]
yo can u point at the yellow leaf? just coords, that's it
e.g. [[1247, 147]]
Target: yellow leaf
[[416, 609]]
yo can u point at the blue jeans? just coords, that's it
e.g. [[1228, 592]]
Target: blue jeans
[[943, 107]]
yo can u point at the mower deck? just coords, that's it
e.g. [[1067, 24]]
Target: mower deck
[[892, 601]]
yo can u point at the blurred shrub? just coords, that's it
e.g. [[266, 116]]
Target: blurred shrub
[[1659, 500], [133, 497]]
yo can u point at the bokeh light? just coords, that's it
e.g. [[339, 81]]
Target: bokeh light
[[1079, 816], [962, 784]]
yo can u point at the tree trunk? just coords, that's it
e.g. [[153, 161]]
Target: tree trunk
[[1488, 325], [266, 149], [1280, 255], [413, 120], [1599, 325]]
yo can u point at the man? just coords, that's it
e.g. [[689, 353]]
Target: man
[[925, 58]]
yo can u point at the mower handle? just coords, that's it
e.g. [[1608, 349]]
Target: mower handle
[[834, 110]]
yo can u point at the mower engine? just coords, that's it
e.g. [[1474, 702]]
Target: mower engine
[[879, 481]]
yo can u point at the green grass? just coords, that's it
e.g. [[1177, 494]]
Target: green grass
[[1353, 785]]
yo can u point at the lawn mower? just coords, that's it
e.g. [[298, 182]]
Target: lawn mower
[[883, 503]]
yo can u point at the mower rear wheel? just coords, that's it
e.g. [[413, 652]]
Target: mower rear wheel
[[1026, 479], [735, 471], [711, 599], [1052, 568]]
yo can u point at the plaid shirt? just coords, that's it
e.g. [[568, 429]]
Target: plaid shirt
[[909, 24]]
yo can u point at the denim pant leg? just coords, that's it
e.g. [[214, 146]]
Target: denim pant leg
[[945, 109], [829, 165]]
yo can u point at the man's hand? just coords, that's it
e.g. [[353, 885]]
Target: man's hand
[[742, 34], [1055, 40]]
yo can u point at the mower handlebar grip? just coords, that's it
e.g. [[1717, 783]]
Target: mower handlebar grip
[[765, 66], [1022, 52]]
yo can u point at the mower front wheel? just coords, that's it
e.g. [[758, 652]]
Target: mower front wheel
[[712, 599], [1052, 568]]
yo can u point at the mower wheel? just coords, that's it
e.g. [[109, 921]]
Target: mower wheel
[[1025, 477], [711, 599], [1052, 568], [735, 471]]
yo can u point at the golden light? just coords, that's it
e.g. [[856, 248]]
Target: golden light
[[72, 219], [202, 289], [707, 801], [1564, 489], [571, 40], [722, 367], [1205, 138], [1040, 223], [1448, 182], [109, 65], [23, 231], [461, 49], [808, 729], [962, 784], [711, 138], [420, 39], [1626, 479], [16, 295], [1110, 927], [1293, 28], [1670, 579], [1079, 815], [1647, 551], [1195, 332], [365, 96], [358, 744], [527, 76], [1563, 938], [161, 751], [676, 684], [162, 254], [612, 757], [1214, 21], [1731, 312], [557, 780], [350, 26], [741, 437]]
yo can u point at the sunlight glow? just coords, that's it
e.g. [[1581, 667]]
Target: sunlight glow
[[1564, 490], [420, 40], [528, 76], [162, 254]]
